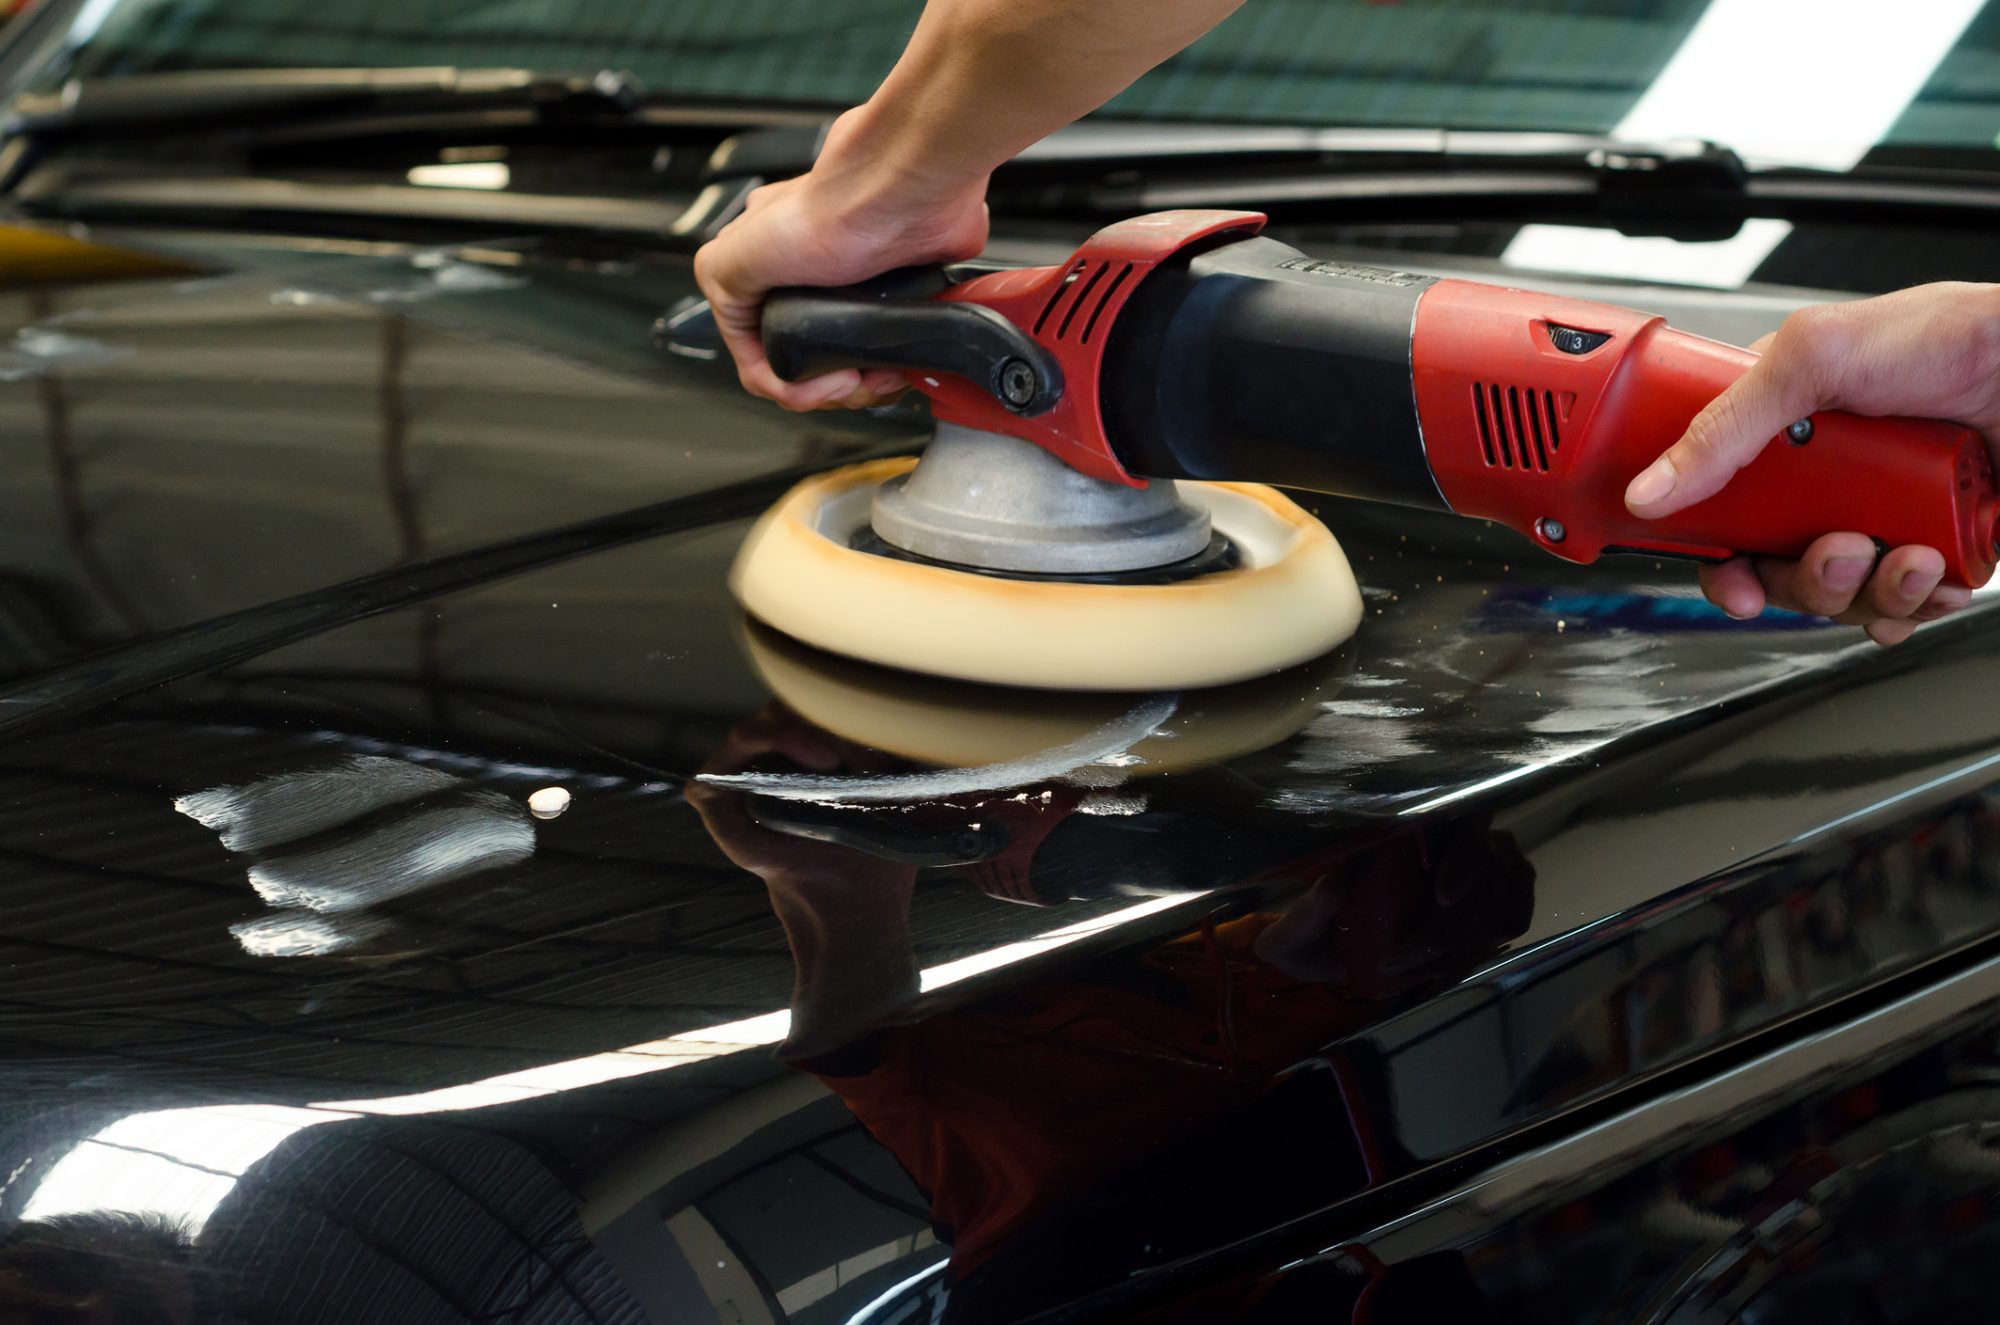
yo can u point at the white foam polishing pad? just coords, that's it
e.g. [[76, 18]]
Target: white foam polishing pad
[[1291, 598]]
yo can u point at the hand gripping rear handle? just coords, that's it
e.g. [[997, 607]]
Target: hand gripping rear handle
[[808, 332]]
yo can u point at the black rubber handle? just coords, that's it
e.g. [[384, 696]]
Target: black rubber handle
[[808, 332]]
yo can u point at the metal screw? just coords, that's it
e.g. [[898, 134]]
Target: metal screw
[[1800, 433], [1018, 383], [1552, 530]]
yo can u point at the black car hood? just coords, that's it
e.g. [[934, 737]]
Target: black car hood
[[322, 563]]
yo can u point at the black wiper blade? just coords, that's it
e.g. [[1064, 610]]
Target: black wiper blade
[[1154, 147], [151, 104], [1691, 188]]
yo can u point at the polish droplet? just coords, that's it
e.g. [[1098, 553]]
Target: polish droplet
[[548, 802]]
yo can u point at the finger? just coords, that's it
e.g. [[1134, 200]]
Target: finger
[[746, 346], [1901, 584], [1890, 632], [1734, 587], [736, 298], [1727, 435], [1944, 600], [1763, 342], [862, 397], [828, 389], [1826, 580], [884, 385]]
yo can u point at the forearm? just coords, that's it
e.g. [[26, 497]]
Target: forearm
[[850, 941], [983, 79], [901, 180]]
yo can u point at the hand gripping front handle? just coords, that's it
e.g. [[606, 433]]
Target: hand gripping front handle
[[811, 331]]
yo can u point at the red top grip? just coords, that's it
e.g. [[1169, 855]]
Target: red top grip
[[1544, 438], [1070, 310]]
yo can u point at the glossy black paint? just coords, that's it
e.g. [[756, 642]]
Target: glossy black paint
[[1543, 848]]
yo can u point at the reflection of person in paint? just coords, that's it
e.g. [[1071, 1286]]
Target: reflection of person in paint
[[96, 1269], [1004, 1109]]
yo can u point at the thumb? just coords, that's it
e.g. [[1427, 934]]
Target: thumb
[[1720, 440]]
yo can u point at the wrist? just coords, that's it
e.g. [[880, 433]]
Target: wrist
[[878, 173]]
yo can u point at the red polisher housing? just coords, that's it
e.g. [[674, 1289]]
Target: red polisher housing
[[1537, 411], [1070, 310]]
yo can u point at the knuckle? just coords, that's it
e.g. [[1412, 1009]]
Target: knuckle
[[1715, 439], [1813, 334], [705, 275], [1981, 307], [1702, 442], [1809, 351]]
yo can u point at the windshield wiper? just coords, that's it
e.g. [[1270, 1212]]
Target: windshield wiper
[[148, 105], [1108, 168], [1689, 190]]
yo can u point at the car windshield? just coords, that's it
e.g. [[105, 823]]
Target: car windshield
[[1816, 82]]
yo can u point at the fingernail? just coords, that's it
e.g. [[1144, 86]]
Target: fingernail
[[1845, 574], [1917, 584], [1653, 485]]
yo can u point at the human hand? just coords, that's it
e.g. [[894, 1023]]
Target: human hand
[[851, 217], [1930, 352]]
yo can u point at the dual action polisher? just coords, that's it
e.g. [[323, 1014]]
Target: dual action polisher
[[1091, 512]]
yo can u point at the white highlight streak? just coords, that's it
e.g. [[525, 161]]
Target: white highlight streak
[[1105, 744]]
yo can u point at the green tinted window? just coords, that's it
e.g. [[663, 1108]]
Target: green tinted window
[[1577, 65]]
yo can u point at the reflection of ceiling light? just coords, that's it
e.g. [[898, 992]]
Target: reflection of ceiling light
[[1580, 248], [463, 175], [1807, 82], [712, 1041], [181, 1163], [893, 1296]]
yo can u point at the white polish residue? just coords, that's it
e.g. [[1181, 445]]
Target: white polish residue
[[328, 842], [1110, 803], [1107, 743], [549, 802], [424, 848], [289, 806], [296, 933]]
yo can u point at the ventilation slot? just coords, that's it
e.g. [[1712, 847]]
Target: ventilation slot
[[1518, 429], [1104, 300], [1068, 281], [1090, 282]]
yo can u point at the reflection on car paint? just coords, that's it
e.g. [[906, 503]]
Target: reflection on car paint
[[1545, 611], [550, 1091], [1103, 749], [38, 351]]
